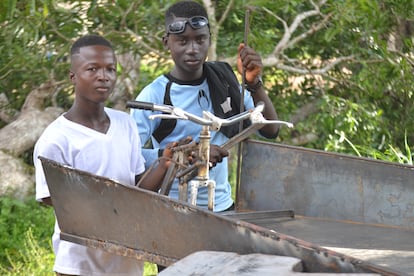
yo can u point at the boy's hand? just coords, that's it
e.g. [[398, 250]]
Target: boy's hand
[[168, 152], [251, 62], [217, 154]]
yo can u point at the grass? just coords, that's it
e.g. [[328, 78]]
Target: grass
[[390, 154], [25, 237], [33, 259]]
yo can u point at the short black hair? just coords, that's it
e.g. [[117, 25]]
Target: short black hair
[[185, 9], [89, 40]]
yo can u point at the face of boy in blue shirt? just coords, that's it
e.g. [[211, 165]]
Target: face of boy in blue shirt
[[188, 50]]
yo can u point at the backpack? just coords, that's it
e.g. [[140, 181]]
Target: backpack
[[222, 83]]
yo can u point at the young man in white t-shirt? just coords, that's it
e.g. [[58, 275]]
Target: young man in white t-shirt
[[99, 140]]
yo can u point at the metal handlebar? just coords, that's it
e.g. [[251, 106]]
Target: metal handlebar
[[209, 122], [209, 119]]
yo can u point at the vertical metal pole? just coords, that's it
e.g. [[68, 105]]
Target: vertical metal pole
[[239, 146], [203, 171], [204, 154]]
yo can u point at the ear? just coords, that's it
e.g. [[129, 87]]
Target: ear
[[165, 42], [72, 76]]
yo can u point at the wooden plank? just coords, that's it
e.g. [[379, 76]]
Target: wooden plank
[[228, 263]]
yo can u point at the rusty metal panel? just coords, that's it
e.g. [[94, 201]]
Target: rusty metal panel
[[328, 185], [129, 221], [383, 245]]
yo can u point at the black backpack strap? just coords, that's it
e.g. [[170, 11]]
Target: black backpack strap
[[167, 125], [223, 83]]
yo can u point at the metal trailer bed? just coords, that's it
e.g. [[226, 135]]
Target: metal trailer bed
[[382, 245], [357, 206], [334, 212]]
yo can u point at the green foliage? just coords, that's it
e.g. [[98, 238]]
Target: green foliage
[[33, 259], [150, 269], [367, 99], [25, 230], [390, 153]]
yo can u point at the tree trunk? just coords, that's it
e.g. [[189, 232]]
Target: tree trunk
[[19, 136]]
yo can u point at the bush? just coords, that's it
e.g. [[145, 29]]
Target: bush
[[32, 259], [25, 230]]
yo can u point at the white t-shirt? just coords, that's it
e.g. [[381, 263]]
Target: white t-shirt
[[116, 155]]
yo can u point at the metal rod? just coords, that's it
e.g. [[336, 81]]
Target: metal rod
[[246, 33], [239, 146]]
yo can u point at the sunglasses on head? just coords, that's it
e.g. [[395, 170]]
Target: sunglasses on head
[[196, 22]]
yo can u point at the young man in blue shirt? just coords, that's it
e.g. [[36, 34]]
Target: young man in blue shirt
[[195, 86]]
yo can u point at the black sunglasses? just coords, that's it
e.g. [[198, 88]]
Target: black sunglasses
[[196, 22]]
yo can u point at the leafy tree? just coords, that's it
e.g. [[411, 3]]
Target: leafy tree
[[340, 70]]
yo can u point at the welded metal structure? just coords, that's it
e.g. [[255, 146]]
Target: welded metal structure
[[334, 212], [326, 185]]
